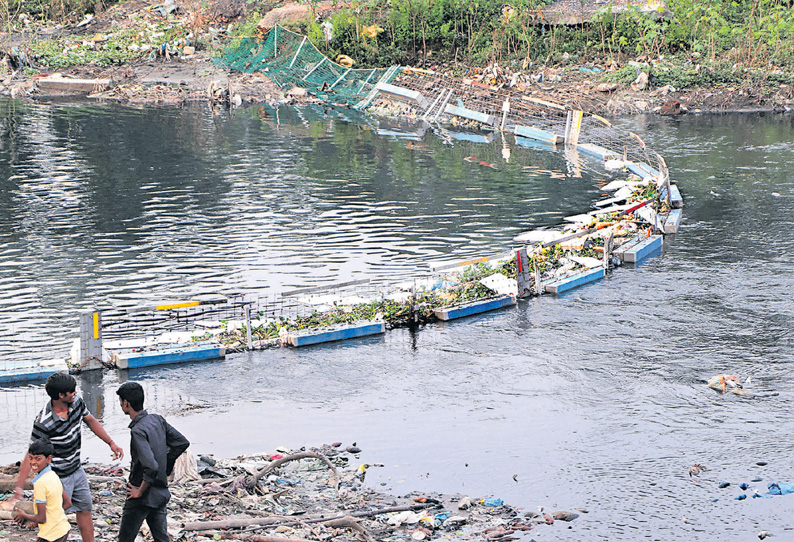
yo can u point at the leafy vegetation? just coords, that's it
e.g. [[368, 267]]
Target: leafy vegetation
[[698, 43], [686, 43]]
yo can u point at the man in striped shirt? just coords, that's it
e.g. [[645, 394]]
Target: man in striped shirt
[[61, 421]]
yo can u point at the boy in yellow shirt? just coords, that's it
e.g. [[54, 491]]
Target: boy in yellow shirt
[[49, 499]]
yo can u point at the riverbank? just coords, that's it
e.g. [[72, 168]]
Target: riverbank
[[181, 80], [186, 73], [299, 495]]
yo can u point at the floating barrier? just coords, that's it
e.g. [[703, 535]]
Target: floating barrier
[[474, 137], [596, 150], [676, 201], [475, 307], [553, 261], [335, 333], [26, 371], [574, 281], [534, 143], [673, 219], [402, 94], [167, 355], [643, 249], [643, 170], [538, 135], [470, 114]]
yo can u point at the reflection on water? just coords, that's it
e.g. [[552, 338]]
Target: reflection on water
[[593, 399], [107, 206]]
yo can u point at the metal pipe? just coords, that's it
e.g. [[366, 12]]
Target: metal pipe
[[314, 68], [297, 53], [340, 78]]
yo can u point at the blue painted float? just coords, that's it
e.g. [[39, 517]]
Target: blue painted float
[[628, 245], [643, 249], [574, 281], [486, 137], [641, 169], [675, 197], [335, 333], [475, 307], [129, 359], [673, 219], [534, 144], [596, 150], [403, 94], [538, 135], [676, 201], [26, 371], [470, 114]]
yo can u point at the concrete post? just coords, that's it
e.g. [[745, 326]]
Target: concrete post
[[523, 273], [89, 354], [250, 343]]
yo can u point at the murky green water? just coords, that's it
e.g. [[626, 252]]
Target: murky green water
[[595, 399]]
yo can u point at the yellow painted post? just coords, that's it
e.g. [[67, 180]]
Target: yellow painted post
[[96, 325], [572, 138]]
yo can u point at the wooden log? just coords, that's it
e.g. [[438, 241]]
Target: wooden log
[[8, 515], [10, 506], [9, 482], [229, 523], [261, 538], [278, 520], [251, 481]]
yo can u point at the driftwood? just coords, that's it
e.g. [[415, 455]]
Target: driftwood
[[7, 515], [95, 478], [9, 482], [348, 522], [11, 506], [278, 520], [251, 481], [259, 538], [229, 523]]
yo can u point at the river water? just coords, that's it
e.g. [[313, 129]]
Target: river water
[[596, 399]]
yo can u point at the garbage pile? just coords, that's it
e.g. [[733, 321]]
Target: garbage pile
[[315, 494]]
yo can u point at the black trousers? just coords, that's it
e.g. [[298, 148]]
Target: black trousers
[[132, 518]]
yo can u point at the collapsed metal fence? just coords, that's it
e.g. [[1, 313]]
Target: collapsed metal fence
[[291, 60], [564, 117]]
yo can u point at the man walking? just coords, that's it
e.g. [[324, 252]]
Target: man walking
[[60, 422], [154, 448]]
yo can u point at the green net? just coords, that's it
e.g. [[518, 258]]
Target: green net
[[291, 60]]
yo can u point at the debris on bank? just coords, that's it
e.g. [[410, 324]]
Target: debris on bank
[[315, 494]]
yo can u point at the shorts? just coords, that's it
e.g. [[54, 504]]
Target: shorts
[[76, 486], [61, 539]]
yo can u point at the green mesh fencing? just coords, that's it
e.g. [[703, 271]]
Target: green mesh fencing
[[291, 60]]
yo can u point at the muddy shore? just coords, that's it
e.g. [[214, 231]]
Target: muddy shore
[[179, 78], [182, 79]]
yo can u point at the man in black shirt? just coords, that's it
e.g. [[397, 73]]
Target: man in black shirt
[[154, 448]]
